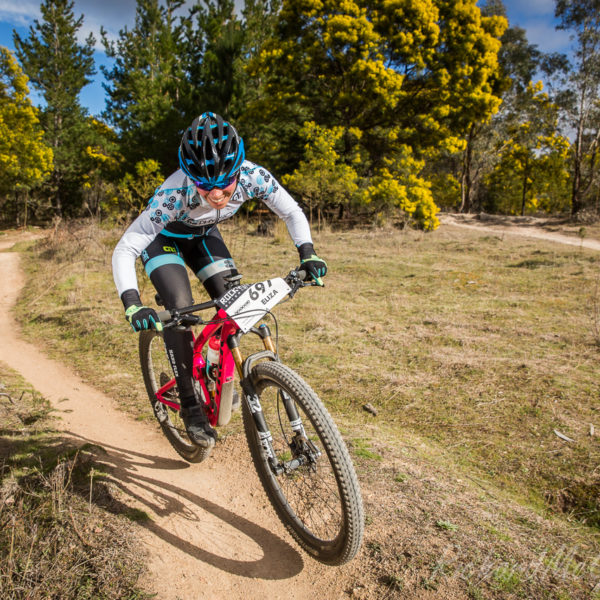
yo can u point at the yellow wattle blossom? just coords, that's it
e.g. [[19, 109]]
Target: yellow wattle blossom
[[414, 76], [25, 160]]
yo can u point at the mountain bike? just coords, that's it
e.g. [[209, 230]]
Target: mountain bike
[[297, 450]]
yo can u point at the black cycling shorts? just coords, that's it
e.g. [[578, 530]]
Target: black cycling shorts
[[166, 258]]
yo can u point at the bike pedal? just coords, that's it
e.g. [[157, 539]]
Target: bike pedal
[[159, 412]]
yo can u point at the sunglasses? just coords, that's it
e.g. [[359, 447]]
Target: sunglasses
[[206, 187]]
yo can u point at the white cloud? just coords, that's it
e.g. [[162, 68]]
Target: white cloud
[[19, 13], [546, 37], [113, 15]]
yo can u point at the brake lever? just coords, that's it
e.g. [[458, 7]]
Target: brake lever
[[169, 319], [295, 279]]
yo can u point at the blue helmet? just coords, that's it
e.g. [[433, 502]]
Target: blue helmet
[[211, 151]]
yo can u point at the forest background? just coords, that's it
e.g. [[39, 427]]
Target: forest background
[[369, 111]]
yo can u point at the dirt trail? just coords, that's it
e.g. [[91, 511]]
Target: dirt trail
[[211, 533], [523, 229]]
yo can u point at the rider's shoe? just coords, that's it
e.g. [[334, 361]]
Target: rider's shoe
[[197, 426]]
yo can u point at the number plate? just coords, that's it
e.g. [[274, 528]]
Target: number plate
[[248, 304]]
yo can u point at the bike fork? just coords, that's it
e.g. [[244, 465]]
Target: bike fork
[[288, 403], [264, 435], [292, 413], [251, 397]]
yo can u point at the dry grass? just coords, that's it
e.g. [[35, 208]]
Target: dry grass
[[436, 531], [476, 348], [55, 540]]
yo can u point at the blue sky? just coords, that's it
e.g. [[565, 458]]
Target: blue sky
[[535, 16]]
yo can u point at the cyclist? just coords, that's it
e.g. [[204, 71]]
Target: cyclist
[[179, 228]]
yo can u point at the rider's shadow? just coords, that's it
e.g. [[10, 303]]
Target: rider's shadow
[[274, 558]]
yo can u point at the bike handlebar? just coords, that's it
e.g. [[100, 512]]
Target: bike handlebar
[[295, 279], [167, 315]]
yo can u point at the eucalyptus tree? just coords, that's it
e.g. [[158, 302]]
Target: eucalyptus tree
[[147, 87], [582, 19]]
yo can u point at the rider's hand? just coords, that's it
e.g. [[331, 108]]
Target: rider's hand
[[143, 317], [315, 267]]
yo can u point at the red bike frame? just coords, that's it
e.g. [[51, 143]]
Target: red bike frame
[[226, 366]]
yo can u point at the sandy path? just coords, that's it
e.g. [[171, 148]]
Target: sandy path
[[470, 222], [211, 533]]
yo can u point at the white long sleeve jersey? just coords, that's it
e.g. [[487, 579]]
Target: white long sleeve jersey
[[177, 210]]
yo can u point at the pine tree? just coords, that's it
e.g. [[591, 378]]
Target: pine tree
[[59, 67], [148, 89], [214, 43]]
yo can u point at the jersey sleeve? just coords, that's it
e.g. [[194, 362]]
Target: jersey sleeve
[[136, 238], [166, 204], [266, 188]]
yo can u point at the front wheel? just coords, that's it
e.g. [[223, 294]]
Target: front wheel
[[313, 488], [156, 370]]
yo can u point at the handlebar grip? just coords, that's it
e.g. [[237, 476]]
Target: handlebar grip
[[302, 274], [164, 316]]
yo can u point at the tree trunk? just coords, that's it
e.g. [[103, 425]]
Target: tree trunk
[[25, 198], [57, 197], [576, 200], [524, 191], [466, 182], [576, 194]]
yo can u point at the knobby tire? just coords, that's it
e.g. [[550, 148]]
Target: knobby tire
[[319, 504]]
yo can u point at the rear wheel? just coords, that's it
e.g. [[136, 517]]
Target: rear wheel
[[156, 370], [315, 490]]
